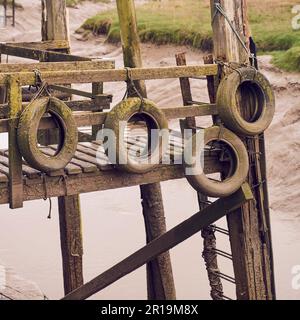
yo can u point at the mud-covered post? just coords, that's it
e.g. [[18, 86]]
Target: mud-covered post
[[159, 271], [54, 20], [15, 157], [249, 227], [55, 27]]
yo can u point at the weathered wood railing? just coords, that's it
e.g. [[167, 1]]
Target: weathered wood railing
[[50, 75]]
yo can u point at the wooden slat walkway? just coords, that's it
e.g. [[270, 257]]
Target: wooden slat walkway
[[88, 173]]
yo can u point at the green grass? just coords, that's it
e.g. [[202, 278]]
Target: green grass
[[288, 60], [187, 22], [74, 3]]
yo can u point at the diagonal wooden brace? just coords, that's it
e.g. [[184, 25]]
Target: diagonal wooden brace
[[169, 240]]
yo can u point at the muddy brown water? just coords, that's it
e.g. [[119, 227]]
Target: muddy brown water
[[113, 228]]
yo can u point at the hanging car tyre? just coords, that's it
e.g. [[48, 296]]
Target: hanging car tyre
[[246, 84], [194, 169], [118, 119], [28, 134]]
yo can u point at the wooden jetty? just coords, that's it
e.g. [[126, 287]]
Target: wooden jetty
[[57, 69]]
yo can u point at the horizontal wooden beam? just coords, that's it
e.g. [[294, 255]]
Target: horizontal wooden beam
[[42, 45], [57, 66], [205, 109], [110, 178], [89, 76], [79, 105], [97, 118], [167, 241], [37, 54]]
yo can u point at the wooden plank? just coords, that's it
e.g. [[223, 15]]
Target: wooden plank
[[4, 173], [212, 163], [165, 242], [36, 54], [92, 145], [97, 90], [95, 149], [15, 158], [85, 166], [94, 118], [28, 94], [89, 76], [81, 105], [71, 168], [97, 181], [27, 170], [136, 146], [178, 146], [91, 152], [185, 90], [43, 45], [86, 158], [5, 170], [98, 99], [57, 66]]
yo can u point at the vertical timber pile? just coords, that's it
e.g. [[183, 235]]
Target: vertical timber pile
[[159, 271], [208, 235], [249, 227], [55, 27], [54, 20]]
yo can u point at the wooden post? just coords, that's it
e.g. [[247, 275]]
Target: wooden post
[[250, 232], [71, 242], [15, 158], [209, 240], [159, 271], [97, 88], [54, 27], [54, 20]]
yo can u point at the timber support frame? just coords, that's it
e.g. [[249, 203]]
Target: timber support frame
[[247, 210]]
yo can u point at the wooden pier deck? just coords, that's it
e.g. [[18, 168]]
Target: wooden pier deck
[[90, 170]]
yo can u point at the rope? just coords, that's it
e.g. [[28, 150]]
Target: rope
[[46, 197], [40, 84], [210, 257], [131, 85], [63, 179]]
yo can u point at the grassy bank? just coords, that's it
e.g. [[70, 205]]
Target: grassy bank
[[187, 22], [74, 3]]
